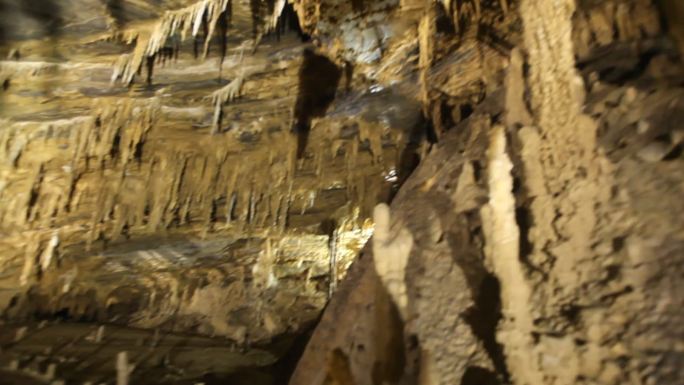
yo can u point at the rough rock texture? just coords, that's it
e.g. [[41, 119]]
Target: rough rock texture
[[535, 259], [174, 170], [145, 185], [82, 353], [212, 166]]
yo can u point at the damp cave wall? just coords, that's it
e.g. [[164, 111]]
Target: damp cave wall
[[544, 218], [131, 203], [539, 240]]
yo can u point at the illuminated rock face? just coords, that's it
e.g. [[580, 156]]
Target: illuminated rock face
[[91, 166], [531, 228], [187, 201], [211, 167]]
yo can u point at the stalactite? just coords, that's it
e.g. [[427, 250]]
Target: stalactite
[[49, 252], [123, 369], [30, 257], [16, 149], [223, 95], [277, 14], [372, 133], [426, 33], [185, 21]]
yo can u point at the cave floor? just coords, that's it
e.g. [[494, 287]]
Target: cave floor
[[78, 357]]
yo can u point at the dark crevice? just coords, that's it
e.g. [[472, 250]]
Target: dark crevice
[[571, 312], [116, 143], [256, 8], [150, 68], [4, 10], [431, 133], [359, 6], [447, 117], [466, 110], [292, 23], [294, 344], [483, 319], [34, 195], [444, 23], [475, 375], [47, 13], [138, 153], [477, 170], [116, 10], [524, 222], [224, 24], [319, 78], [392, 360], [675, 153]]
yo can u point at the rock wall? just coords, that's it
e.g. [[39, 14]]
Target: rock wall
[[128, 165], [538, 253], [189, 166]]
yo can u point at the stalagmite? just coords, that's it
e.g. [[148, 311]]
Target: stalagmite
[[123, 369], [226, 94], [50, 372], [13, 365], [49, 252], [20, 333], [535, 229], [390, 254], [97, 336], [17, 148], [501, 248], [29, 261]]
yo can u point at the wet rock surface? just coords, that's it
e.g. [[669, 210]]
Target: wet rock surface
[[186, 186]]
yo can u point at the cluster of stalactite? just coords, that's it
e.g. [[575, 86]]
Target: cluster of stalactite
[[198, 21], [251, 290], [175, 25], [106, 180]]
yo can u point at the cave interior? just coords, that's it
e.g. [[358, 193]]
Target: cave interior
[[341, 192]]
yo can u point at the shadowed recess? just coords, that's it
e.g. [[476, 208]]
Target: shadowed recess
[[117, 11], [318, 81], [47, 13]]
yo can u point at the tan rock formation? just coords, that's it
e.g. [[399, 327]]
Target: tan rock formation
[[202, 176]]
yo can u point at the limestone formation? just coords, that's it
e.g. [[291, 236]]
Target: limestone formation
[[391, 256], [187, 188]]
